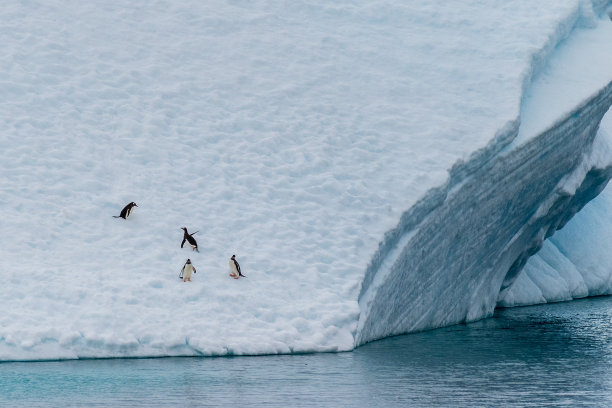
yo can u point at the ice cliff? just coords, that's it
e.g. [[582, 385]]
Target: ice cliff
[[575, 262], [466, 245]]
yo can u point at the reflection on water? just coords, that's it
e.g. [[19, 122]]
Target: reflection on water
[[557, 355]]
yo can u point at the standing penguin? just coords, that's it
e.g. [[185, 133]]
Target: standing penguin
[[190, 239], [235, 268], [127, 211], [186, 271]]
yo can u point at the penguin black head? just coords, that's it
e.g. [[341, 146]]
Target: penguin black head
[[188, 260], [233, 256]]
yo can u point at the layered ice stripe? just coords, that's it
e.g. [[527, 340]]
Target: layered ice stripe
[[451, 268], [451, 256], [576, 262]]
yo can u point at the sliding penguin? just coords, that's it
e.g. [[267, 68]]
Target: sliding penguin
[[235, 268], [127, 211], [190, 239], [186, 271]]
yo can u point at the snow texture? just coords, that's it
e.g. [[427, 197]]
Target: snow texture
[[296, 135]]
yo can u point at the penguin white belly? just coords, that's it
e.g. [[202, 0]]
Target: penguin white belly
[[234, 271], [187, 272]]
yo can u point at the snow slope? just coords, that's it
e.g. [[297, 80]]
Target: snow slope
[[293, 134]]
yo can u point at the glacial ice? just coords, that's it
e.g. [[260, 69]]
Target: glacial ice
[[377, 168], [576, 261], [446, 261]]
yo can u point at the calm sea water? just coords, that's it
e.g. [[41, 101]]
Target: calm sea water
[[554, 355]]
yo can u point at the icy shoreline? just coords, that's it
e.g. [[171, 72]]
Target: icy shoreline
[[294, 136]]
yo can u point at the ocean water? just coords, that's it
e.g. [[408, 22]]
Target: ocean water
[[557, 354]]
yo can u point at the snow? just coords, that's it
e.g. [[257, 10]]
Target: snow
[[560, 86], [292, 134]]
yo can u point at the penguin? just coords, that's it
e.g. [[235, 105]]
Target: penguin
[[235, 268], [190, 239], [127, 211], [186, 271]]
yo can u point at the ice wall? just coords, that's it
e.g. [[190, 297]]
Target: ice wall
[[450, 267], [454, 252], [576, 261]]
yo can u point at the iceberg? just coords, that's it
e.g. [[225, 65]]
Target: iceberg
[[574, 263], [452, 257], [376, 168]]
